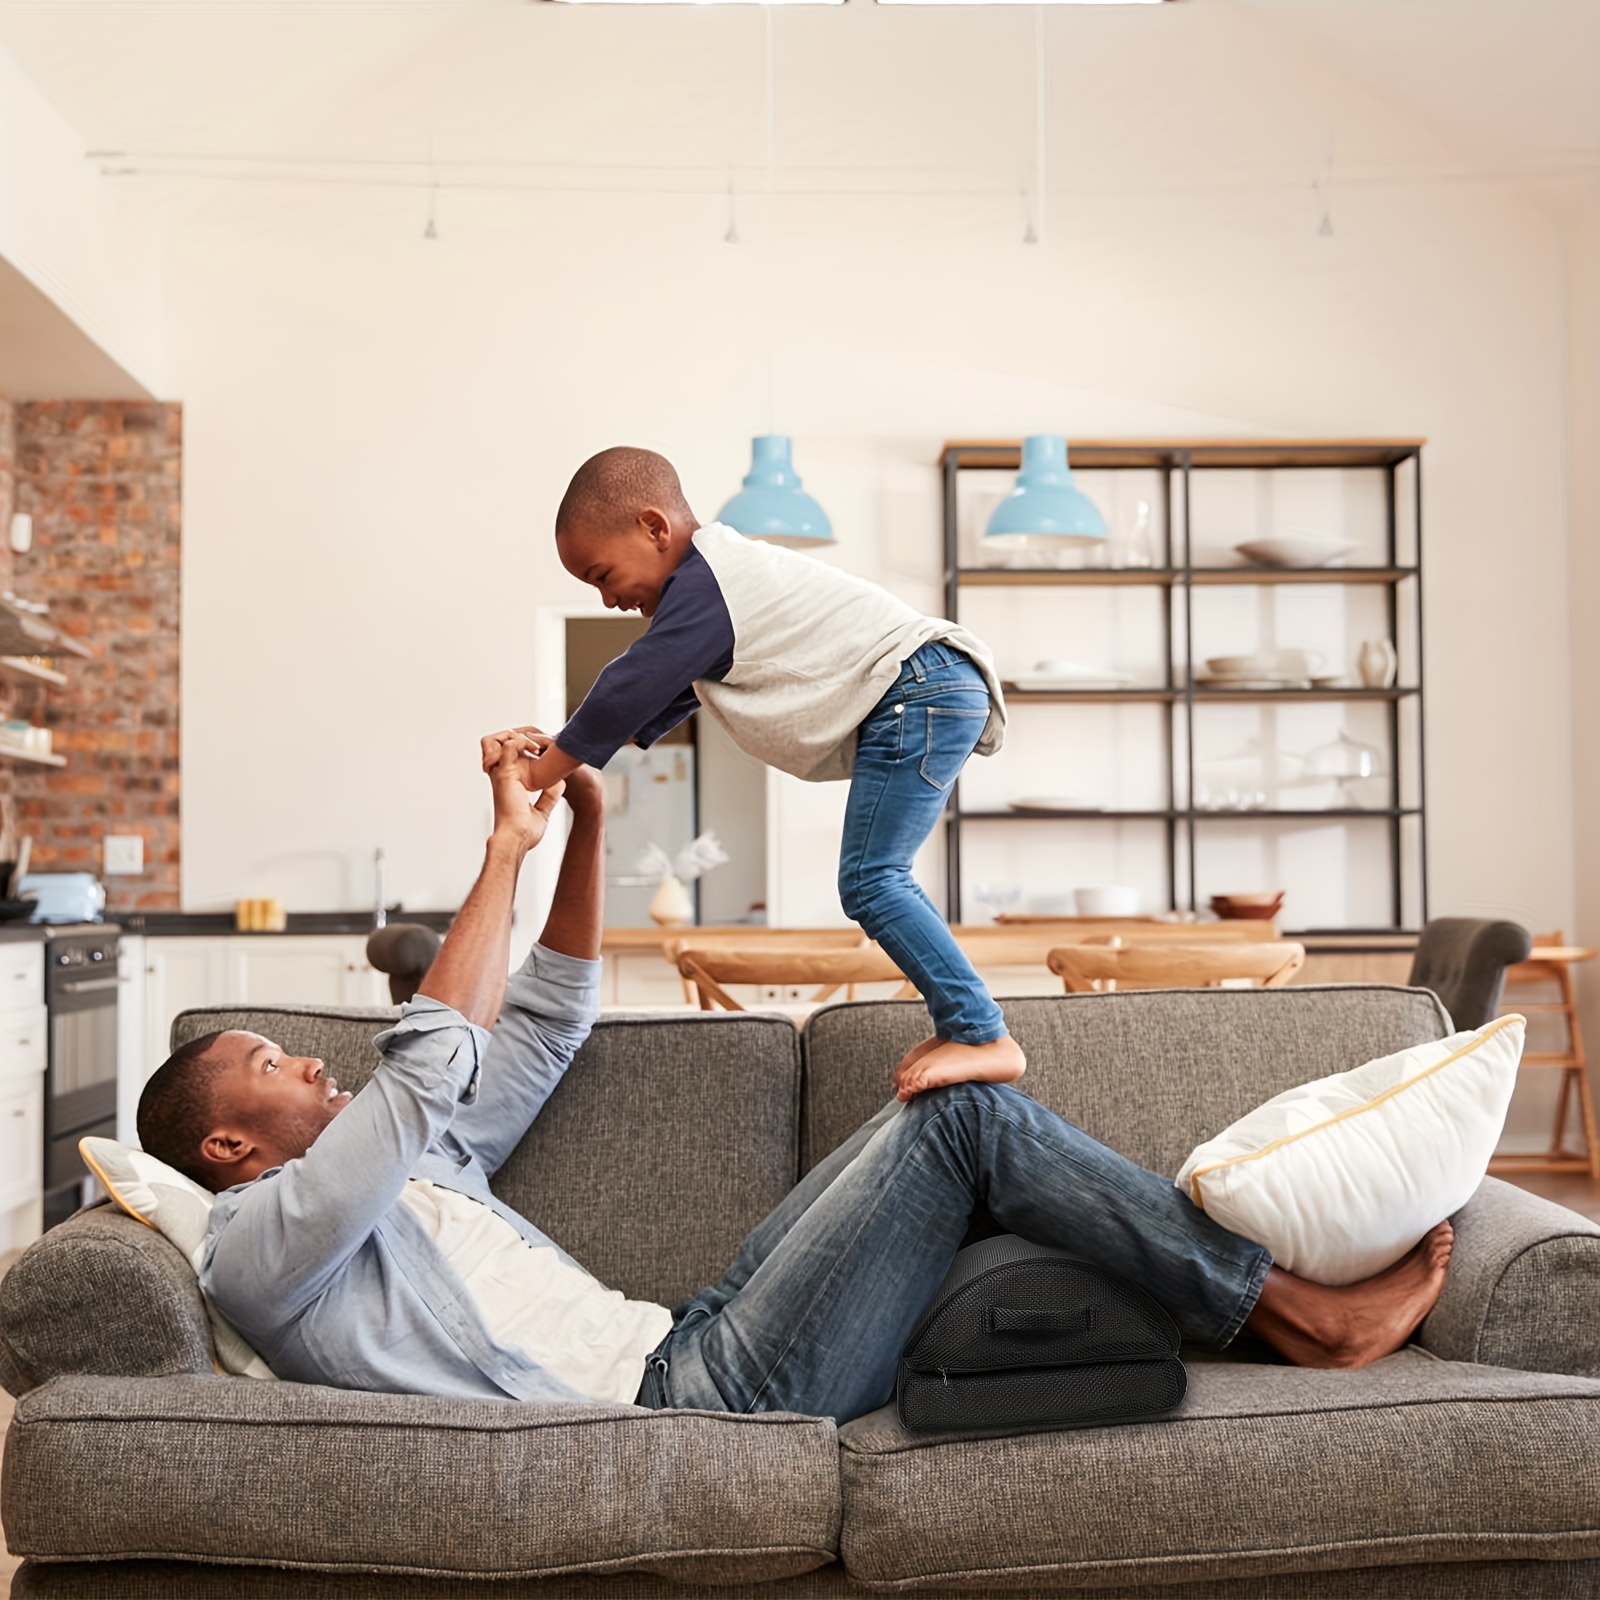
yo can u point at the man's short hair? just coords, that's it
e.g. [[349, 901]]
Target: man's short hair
[[178, 1107], [612, 487]]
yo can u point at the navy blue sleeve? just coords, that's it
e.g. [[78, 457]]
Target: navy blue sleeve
[[649, 689]]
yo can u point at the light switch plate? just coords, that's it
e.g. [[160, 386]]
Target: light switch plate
[[124, 853]]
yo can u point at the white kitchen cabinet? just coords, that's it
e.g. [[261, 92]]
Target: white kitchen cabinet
[[258, 969], [23, 1045], [21, 1150]]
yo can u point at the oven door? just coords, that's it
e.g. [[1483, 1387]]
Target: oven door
[[81, 1091]]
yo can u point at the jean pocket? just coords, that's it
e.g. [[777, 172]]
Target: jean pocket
[[952, 734]]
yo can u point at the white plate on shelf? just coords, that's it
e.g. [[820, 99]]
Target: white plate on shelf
[[1229, 680], [1294, 550]]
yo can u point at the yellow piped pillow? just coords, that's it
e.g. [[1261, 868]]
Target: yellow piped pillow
[[1340, 1177], [180, 1211]]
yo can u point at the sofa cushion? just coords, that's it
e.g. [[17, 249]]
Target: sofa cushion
[[1262, 1469], [668, 1139], [297, 1475], [1150, 1073], [1340, 1177]]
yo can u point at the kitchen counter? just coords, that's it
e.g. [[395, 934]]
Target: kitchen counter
[[209, 924]]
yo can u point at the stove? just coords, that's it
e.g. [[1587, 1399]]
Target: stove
[[80, 995]]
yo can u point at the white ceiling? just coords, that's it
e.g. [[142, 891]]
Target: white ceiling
[[1509, 86]]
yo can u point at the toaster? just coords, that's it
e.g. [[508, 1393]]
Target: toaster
[[64, 896]]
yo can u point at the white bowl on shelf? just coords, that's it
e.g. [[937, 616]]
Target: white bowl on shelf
[[1107, 900], [1294, 550]]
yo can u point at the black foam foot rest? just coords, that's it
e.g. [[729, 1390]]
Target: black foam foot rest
[[1028, 1337]]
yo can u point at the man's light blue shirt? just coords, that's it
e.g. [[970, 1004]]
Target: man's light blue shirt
[[322, 1269]]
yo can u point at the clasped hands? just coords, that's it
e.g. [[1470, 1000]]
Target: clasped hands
[[523, 813]]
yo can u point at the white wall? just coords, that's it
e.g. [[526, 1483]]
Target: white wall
[[1582, 438], [378, 427]]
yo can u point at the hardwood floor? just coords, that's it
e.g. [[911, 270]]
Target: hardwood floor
[[1566, 1189]]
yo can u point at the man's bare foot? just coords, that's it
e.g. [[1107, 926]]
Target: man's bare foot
[[915, 1054], [1354, 1325], [999, 1061]]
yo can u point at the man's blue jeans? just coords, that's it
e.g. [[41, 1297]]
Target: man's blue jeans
[[818, 1304], [909, 752]]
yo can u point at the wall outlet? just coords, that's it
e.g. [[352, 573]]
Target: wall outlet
[[124, 853]]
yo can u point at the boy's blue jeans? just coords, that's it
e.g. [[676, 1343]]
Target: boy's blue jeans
[[910, 750], [818, 1304]]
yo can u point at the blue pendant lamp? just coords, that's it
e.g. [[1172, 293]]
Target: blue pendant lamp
[[1046, 508], [772, 505]]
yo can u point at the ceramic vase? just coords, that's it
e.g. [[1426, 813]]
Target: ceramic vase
[[1376, 663], [672, 907]]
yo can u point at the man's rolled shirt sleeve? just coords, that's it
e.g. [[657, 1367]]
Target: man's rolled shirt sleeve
[[550, 1005], [649, 689], [288, 1234]]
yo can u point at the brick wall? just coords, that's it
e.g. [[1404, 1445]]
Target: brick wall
[[8, 490], [102, 480]]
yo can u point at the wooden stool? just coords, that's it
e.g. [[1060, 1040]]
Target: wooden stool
[[1550, 962]]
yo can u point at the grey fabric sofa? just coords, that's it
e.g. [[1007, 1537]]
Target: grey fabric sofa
[[1468, 1464]]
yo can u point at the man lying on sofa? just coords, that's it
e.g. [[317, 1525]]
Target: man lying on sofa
[[356, 1242]]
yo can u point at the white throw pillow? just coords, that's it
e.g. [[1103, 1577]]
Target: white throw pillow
[[1339, 1178], [180, 1210]]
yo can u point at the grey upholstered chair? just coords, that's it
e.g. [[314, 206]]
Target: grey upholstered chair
[[1463, 960]]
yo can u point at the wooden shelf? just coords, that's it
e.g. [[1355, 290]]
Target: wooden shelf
[[1050, 577], [1173, 472], [26, 633], [1031, 815], [1381, 813], [1206, 696], [1165, 577], [18, 669], [1006, 454], [1200, 814], [1067, 697], [13, 752], [1218, 696], [1242, 577]]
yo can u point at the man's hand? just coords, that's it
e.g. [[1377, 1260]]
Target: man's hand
[[520, 815], [586, 792]]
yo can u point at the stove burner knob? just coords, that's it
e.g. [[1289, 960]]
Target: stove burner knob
[[97, 955]]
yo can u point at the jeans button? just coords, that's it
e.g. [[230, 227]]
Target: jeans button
[[899, 711]]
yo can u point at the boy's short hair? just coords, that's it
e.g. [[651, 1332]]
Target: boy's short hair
[[613, 486], [178, 1107]]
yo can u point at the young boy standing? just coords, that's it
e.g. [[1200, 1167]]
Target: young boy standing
[[815, 672]]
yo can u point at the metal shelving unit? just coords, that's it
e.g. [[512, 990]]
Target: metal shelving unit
[[1403, 818]]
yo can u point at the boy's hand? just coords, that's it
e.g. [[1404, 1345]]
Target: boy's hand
[[520, 815]]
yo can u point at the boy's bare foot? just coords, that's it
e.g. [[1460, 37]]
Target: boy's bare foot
[[914, 1055], [1352, 1326], [999, 1061]]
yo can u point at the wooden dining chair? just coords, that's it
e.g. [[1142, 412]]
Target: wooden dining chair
[[1019, 944], [1096, 968], [708, 968]]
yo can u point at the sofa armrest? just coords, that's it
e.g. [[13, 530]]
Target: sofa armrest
[[101, 1293], [1523, 1288]]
